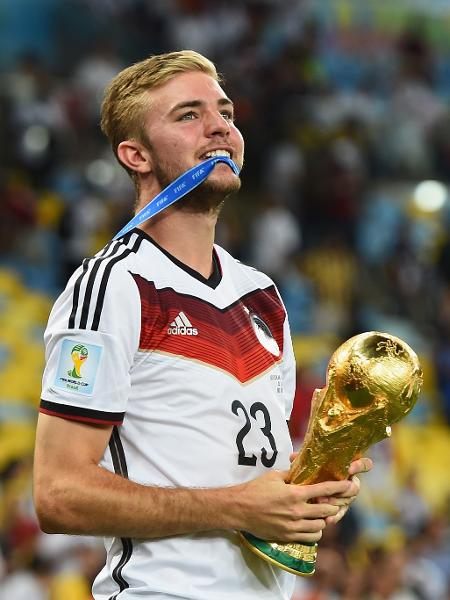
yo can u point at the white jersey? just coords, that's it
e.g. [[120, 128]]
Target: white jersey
[[197, 377]]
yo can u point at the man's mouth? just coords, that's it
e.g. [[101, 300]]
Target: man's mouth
[[213, 153]]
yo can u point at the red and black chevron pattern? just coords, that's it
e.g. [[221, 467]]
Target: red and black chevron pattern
[[226, 338]]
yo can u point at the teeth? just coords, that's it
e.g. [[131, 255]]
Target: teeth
[[217, 153]]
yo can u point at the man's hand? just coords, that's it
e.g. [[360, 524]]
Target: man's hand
[[343, 501], [274, 510], [270, 508]]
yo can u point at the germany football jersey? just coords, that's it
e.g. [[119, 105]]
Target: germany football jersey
[[197, 378]]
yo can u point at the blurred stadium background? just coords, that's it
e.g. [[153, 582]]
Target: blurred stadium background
[[344, 106]]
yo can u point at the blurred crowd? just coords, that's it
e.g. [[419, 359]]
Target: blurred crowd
[[345, 110]]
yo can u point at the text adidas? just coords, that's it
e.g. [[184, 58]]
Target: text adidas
[[182, 331], [181, 326]]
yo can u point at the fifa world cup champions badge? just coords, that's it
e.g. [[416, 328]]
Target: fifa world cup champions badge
[[373, 381], [78, 366]]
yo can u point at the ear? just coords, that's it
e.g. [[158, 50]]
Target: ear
[[135, 156]]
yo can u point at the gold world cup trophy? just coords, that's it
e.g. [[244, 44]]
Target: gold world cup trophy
[[373, 381]]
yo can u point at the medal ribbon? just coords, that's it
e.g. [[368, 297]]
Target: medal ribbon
[[184, 184]]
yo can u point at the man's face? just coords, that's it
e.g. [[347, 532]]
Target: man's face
[[190, 117]]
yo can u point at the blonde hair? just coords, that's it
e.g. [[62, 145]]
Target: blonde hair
[[125, 101]]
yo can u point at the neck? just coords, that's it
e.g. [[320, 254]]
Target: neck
[[188, 236]]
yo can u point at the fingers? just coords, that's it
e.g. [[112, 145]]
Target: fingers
[[337, 517], [342, 502], [362, 465], [303, 530], [346, 497], [307, 537], [336, 500], [300, 537], [309, 527], [312, 525], [309, 531], [319, 511], [354, 487], [352, 491], [325, 489], [299, 513]]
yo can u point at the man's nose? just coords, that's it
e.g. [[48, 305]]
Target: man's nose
[[216, 124]]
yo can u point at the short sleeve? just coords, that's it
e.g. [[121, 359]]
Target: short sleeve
[[90, 344]]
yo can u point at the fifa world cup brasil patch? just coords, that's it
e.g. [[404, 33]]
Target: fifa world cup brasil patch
[[77, 366]]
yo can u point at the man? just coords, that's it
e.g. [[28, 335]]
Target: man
[[172, 434]]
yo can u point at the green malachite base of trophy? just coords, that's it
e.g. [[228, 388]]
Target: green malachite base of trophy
[[299, 559], [373, 381]]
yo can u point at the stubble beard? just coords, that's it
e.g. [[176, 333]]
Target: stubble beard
[[207, 198]]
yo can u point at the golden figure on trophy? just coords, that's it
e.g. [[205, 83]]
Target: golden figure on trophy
[[373, 381]]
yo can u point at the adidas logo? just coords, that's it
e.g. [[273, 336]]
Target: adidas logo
[[182, 326]]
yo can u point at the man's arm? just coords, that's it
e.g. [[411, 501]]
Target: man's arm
[[73, 494]]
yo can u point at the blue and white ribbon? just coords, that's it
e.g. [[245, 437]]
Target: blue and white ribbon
[[184, 184]]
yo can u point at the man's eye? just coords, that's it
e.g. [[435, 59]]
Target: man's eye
[[189, 116], [227, 115]]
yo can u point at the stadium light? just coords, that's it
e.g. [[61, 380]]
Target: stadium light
[[430, 196]]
